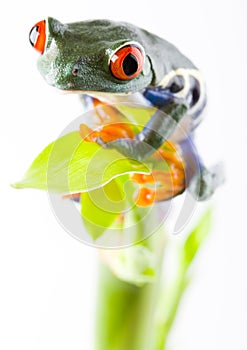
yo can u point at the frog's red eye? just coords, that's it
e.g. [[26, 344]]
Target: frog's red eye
[[37, 36], [127, 62]]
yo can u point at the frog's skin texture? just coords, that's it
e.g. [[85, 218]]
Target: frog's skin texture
[[79, 57]]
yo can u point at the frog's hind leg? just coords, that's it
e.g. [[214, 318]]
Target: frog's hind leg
[[162, 185], [167, 186]]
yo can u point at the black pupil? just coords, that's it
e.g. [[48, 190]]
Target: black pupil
[[130, 65]]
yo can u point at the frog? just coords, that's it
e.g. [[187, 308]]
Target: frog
[[119, 61]]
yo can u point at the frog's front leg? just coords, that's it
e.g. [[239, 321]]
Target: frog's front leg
[[154, 134]]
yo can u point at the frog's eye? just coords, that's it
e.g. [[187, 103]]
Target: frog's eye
[[127, 62], [37, 36]]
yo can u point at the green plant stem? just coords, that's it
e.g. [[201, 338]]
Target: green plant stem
[[126, 312]]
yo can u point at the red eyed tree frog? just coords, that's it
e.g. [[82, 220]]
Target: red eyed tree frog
[[111, 60]]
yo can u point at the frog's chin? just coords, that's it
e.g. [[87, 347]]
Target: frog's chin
[[130, 98], [107, 97]]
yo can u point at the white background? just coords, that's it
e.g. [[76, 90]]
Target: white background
[[48, 279]]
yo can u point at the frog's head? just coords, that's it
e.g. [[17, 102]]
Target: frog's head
[[97, 55]]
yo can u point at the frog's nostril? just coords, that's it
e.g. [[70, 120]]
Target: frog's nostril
[[37, 36], [75, 71]]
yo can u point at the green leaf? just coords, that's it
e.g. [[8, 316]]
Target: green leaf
[[72, 165], [196, 238], [101, 207]]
